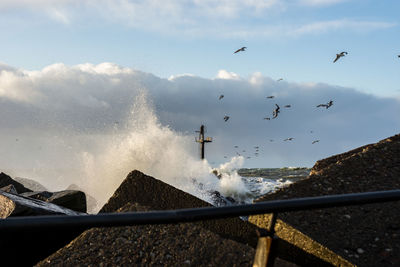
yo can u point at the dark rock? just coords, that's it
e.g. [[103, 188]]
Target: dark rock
[[16, 205], [72, 199], [43, 195], [220, 200], [7, 180], [91, 202], [9, 189]]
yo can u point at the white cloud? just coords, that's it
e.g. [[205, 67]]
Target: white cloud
[[95, 99], [173, 77], [59, 15], [321, 2], [341, 24], [224, 74]]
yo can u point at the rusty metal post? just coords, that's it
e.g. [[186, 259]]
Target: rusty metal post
[[265, 251], [202, 140]]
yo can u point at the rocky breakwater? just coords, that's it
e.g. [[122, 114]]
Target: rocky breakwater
[[26, 247], [226, 242], [222, 242], [367, 235]]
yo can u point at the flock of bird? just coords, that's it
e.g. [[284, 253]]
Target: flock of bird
[[277, 109]]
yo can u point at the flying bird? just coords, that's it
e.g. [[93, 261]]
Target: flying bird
[[287, 106], [289, 139], [315, 141], [236, 146], [327, 105], [240, 49], [271, 96], [220, 97], [267, 118], [341, 54], [226, 118], [280, 79], [276, 111]]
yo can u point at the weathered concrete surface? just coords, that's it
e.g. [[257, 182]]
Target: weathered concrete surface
[[177, 244], [164, 196], [148, 191], [294, 238], [366, 235]]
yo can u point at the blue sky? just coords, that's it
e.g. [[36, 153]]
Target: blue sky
[[296, 40], [73, 68]]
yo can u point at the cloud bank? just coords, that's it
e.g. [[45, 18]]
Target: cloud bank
[[94, 99]]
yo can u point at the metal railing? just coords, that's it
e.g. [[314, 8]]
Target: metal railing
[[196, 214]]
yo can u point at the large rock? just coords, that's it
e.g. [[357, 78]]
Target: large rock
[[70, 199], [367, 235], [148, 191], [7, 180], [16, 205], [91, 202], [151, 245]]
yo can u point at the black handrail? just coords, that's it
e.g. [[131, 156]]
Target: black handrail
[[196, 214]]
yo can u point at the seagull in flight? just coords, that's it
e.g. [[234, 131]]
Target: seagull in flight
[[280, 79], [240, 49], [271, 96], [226, 118], [289, 139], [220, 97], [341, 54], [276, 111], [327, 105], [267, 118], [315, 141], [287, 106]]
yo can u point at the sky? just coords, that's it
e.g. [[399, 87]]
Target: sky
[[72, 74]]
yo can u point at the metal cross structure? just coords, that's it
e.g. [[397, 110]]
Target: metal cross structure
[[202, 140]]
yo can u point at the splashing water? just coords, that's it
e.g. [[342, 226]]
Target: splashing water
[[98, 163], [155, 150]]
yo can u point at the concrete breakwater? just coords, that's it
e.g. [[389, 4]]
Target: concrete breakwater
[[365, 236]]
